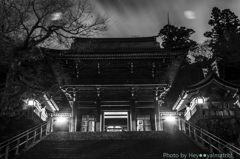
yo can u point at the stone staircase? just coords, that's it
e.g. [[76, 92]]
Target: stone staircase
[[113, 145]]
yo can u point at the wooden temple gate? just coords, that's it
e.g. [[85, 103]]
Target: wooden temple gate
[[115, 84]]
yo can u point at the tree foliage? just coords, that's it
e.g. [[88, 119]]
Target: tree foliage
[[202, 52], [174, 37], [225, 34], [26, 25]]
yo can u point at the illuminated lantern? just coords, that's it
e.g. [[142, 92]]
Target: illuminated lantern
[[200, 100], [31, 102]]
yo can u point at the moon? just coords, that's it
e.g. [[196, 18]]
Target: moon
[[56, 16], [190, 14]]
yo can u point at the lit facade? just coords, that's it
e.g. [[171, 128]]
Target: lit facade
[[219, 100], [115, 84]]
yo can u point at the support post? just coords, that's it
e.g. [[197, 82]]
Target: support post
[[98, 116], [220, 151], [51, 127], [101, 122], [195, 135], [128, 121], [48, 127], [75, 123], [237, 112], [156, 112], [189, 129], [210, 145], [26, 144], [41, 130], [7, 151], [199, 111], [103, 127], [183, 125], [34, 136], [73, 128], [17, 147], [133, 123], [179, 124], [160, 123], [202, 139]]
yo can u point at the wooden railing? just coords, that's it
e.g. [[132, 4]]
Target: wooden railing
[[209, 141], [24, 140]]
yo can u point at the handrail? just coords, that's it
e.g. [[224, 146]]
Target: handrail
[[24, 140], [22, 133], [216, 139], [208, 140], [200, 129]]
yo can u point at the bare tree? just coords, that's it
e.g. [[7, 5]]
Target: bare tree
[[25, 25]]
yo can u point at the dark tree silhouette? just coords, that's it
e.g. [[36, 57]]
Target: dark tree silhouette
[[26, 25], [225, 35], [174, 37]]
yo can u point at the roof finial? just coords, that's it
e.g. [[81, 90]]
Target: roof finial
[[168, 18]]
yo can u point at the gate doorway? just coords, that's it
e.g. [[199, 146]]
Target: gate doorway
[[115, 121], [170, 124], [61, 124]]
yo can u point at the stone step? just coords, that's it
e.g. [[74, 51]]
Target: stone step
[[75, 145], [110, 135]]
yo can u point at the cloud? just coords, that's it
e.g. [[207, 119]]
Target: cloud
[[190, 14], [147, 17]]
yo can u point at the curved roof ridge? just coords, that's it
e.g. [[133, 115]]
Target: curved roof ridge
[[117, 38], [208, 79]]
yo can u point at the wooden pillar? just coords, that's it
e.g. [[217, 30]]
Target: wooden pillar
[[156, 112], [128, 121], [160, 102], [160, 123], [237, 111], [69, 124], [51, 125], [133, 123], [179, 123], [98, 116], [199, 111], [101, 122], [73, 125]]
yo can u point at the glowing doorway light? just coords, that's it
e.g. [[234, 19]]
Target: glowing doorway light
[[170, 118], [115, 113], [61, 119]]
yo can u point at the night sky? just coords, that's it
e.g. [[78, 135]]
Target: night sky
[[146, 17]]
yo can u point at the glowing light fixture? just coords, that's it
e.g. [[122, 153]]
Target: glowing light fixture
[[61, 119], [31, 102], [200, 100], [170, 118]]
